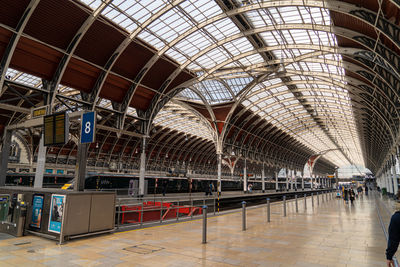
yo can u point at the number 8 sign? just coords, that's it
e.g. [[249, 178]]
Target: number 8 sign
[[88, 127]]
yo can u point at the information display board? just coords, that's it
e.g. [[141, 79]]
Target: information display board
[[37, 210], [56, 129], [56, 213]]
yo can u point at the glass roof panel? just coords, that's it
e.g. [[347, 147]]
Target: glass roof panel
[[176, 117], [313, 96]]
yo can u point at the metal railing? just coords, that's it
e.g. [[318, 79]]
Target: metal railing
[[149, 210], [139, 212]]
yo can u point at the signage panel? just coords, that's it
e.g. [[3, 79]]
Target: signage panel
[[88, 127], [39, 112]]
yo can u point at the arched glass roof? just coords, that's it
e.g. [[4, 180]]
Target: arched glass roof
[[178, 118], [304, 90]]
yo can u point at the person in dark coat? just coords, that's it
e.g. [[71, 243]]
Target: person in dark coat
[[352, 195], [394, 234], [346, 195]]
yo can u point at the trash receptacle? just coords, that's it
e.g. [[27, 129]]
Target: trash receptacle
[[384, 192], [20, 218]]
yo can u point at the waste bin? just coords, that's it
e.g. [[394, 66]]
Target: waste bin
[[20, 218], [384, 192]]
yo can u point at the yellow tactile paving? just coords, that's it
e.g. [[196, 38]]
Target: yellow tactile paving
[[331, 234]]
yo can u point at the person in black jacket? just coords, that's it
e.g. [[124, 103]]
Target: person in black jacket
[[394, 234]]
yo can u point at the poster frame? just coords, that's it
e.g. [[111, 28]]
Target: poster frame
[[50, 226], [33, 211]]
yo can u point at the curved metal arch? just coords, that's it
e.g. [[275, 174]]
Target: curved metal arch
[[166, 146], [330, 49], [171, 148], [159, 105], [67, 55], [347, 66], [121, 48], [178, 151], [190, 148], [12, 44], [200, 156], [213, 132]]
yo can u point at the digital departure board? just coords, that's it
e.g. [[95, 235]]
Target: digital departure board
[[56, 129]]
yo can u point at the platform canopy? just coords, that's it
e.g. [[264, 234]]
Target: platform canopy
[[275, 82]]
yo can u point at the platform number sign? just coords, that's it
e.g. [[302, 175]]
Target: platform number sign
[[88, 127]]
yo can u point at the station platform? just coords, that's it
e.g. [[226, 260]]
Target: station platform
[[331, 233]]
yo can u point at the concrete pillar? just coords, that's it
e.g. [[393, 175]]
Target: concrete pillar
[[245, 176], [287, 179], [40, 164], [394, 178], [219, 185], [276, 181], [291, 180], [142, 169], [337, 177], [389, 181], [263, 178], [5, 153]]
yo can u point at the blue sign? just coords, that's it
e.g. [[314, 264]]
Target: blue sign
[[88, 127], [37, 210], [56, 213]]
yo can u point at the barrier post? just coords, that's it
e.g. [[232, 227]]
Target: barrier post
[[326, 196], [305, 201], [177, 212], [161, 210], [312, 200], [204, 224], [141, 216], [119, 213], [284, 206], [268, 210], [191, 206], [214, 203], [317, 198], [297, 205], [243, 215]]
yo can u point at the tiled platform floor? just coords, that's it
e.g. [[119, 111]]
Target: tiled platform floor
[[331, 234]]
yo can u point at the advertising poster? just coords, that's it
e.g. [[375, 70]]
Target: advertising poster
[[56, 213], [37, 209]]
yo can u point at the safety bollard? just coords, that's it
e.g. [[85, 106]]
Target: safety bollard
[[305, 201], [161, 210], [284, 206], [317, 199], [268, 210], [243, 215], [204, 224], [297, 205], [312, 200]]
